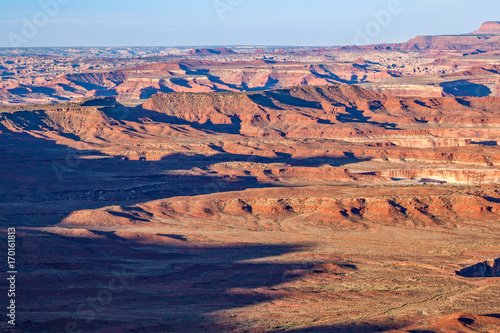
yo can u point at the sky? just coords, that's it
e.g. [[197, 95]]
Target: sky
[[51, 23]]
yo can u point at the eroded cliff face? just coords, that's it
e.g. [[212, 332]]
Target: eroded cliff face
[[459, 42], [489, 268], [485, 39], [302, 135], [78, 120], [348, 104], [306, 208], [491, 27]]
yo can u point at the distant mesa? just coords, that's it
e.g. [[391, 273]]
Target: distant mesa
[[456, 42], [472, 41], [219, 51], [489, 28]]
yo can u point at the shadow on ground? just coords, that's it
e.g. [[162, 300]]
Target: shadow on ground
[[465, 88], [71, 284]]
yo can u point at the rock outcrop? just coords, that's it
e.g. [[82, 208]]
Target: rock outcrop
[[222, 50], [487, 38], [490, 268], [488, 28]]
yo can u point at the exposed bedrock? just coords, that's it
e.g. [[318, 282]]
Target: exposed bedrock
[[305, 208], [489, 268]]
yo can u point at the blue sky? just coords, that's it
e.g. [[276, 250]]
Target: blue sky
[[235, 22]]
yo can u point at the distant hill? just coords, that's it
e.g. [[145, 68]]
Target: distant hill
[[489, 28], [487, 38], [222, 50]]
